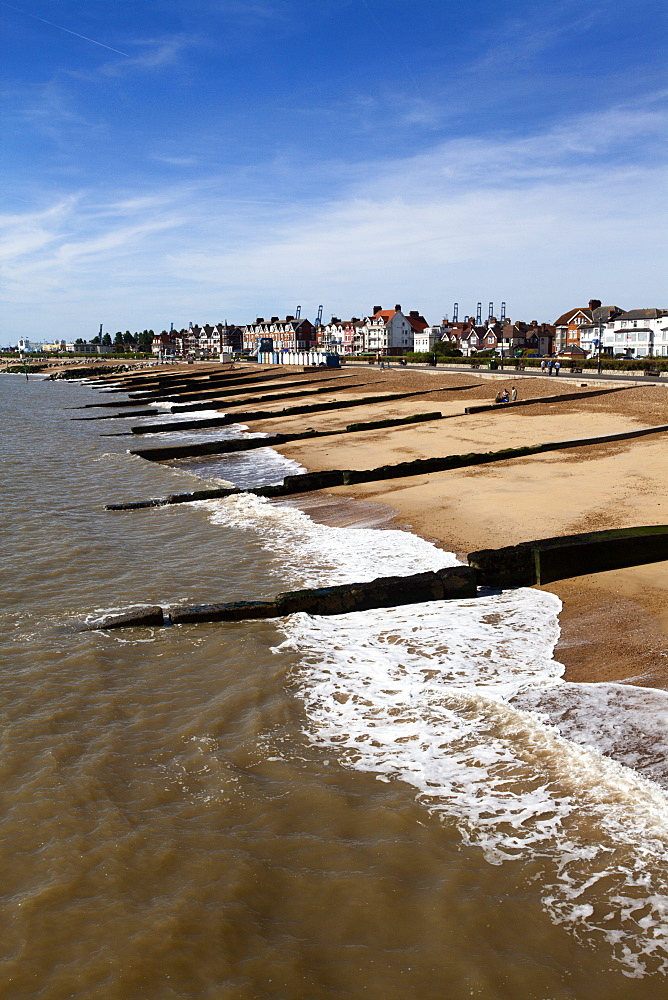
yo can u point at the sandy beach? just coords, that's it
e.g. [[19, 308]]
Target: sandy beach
[[615, 624]]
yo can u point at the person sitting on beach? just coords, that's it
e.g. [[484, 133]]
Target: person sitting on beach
[[502, 396]]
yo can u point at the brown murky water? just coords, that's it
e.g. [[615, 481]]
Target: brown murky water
[[233, 812]]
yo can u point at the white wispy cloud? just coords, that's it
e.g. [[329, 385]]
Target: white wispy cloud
[[542, 222], [150, 55]]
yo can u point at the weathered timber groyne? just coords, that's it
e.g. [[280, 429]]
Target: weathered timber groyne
[[227, 446], [121, 416], [386, 592], [549, 559], [345, 477], [246, 385], [205, 400], [163, 394], [560, 398], [248, 416], [527, 564]]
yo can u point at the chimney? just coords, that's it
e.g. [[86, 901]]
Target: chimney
[[594, 304], [398, 307], [414, 312], [260, 319], [376, 309], [289, 319], [534, 322], [274, 319]]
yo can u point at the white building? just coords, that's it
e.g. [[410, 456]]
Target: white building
[[425, 340], [28, 346], [388, 331], [638, 333]]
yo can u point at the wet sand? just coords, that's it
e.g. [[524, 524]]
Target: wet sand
[[615, 624]]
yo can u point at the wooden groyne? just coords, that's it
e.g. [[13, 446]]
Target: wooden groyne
[[248, 416], [227, 446], [452, 583], [560, 398], [528, 564], [345, 477], [549, 559], [121, 416], [531, 563], [177, 390]]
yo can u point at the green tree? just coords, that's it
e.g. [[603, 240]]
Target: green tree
[[118, 338], [447, 349], [106, 340]]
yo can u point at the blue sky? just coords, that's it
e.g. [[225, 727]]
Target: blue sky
[[221, 159]]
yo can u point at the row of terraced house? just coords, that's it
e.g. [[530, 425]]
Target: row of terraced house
[[579, 332]]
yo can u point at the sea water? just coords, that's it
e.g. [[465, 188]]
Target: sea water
[[399, 802]]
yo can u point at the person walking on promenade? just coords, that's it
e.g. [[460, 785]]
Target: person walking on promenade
[[550, 365], [513, 393], [543, 365], [557, 366]]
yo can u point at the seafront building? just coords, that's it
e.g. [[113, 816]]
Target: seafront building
[[577, 332], [425, 340], [289, 334], [390, 331], [582, 327], [341, 336], [637, 333]]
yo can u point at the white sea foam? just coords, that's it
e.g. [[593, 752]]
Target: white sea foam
[[314, 555], [464, 701], [419, 693], [182, 414], [628, 724], [244, 469]]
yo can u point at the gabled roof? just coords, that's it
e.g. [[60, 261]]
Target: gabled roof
[[602, 314], [385, 315], [567, 317], [643, 314], [418, 323]]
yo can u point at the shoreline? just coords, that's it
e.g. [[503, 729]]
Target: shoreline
[[596, 643], [614, 625]]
